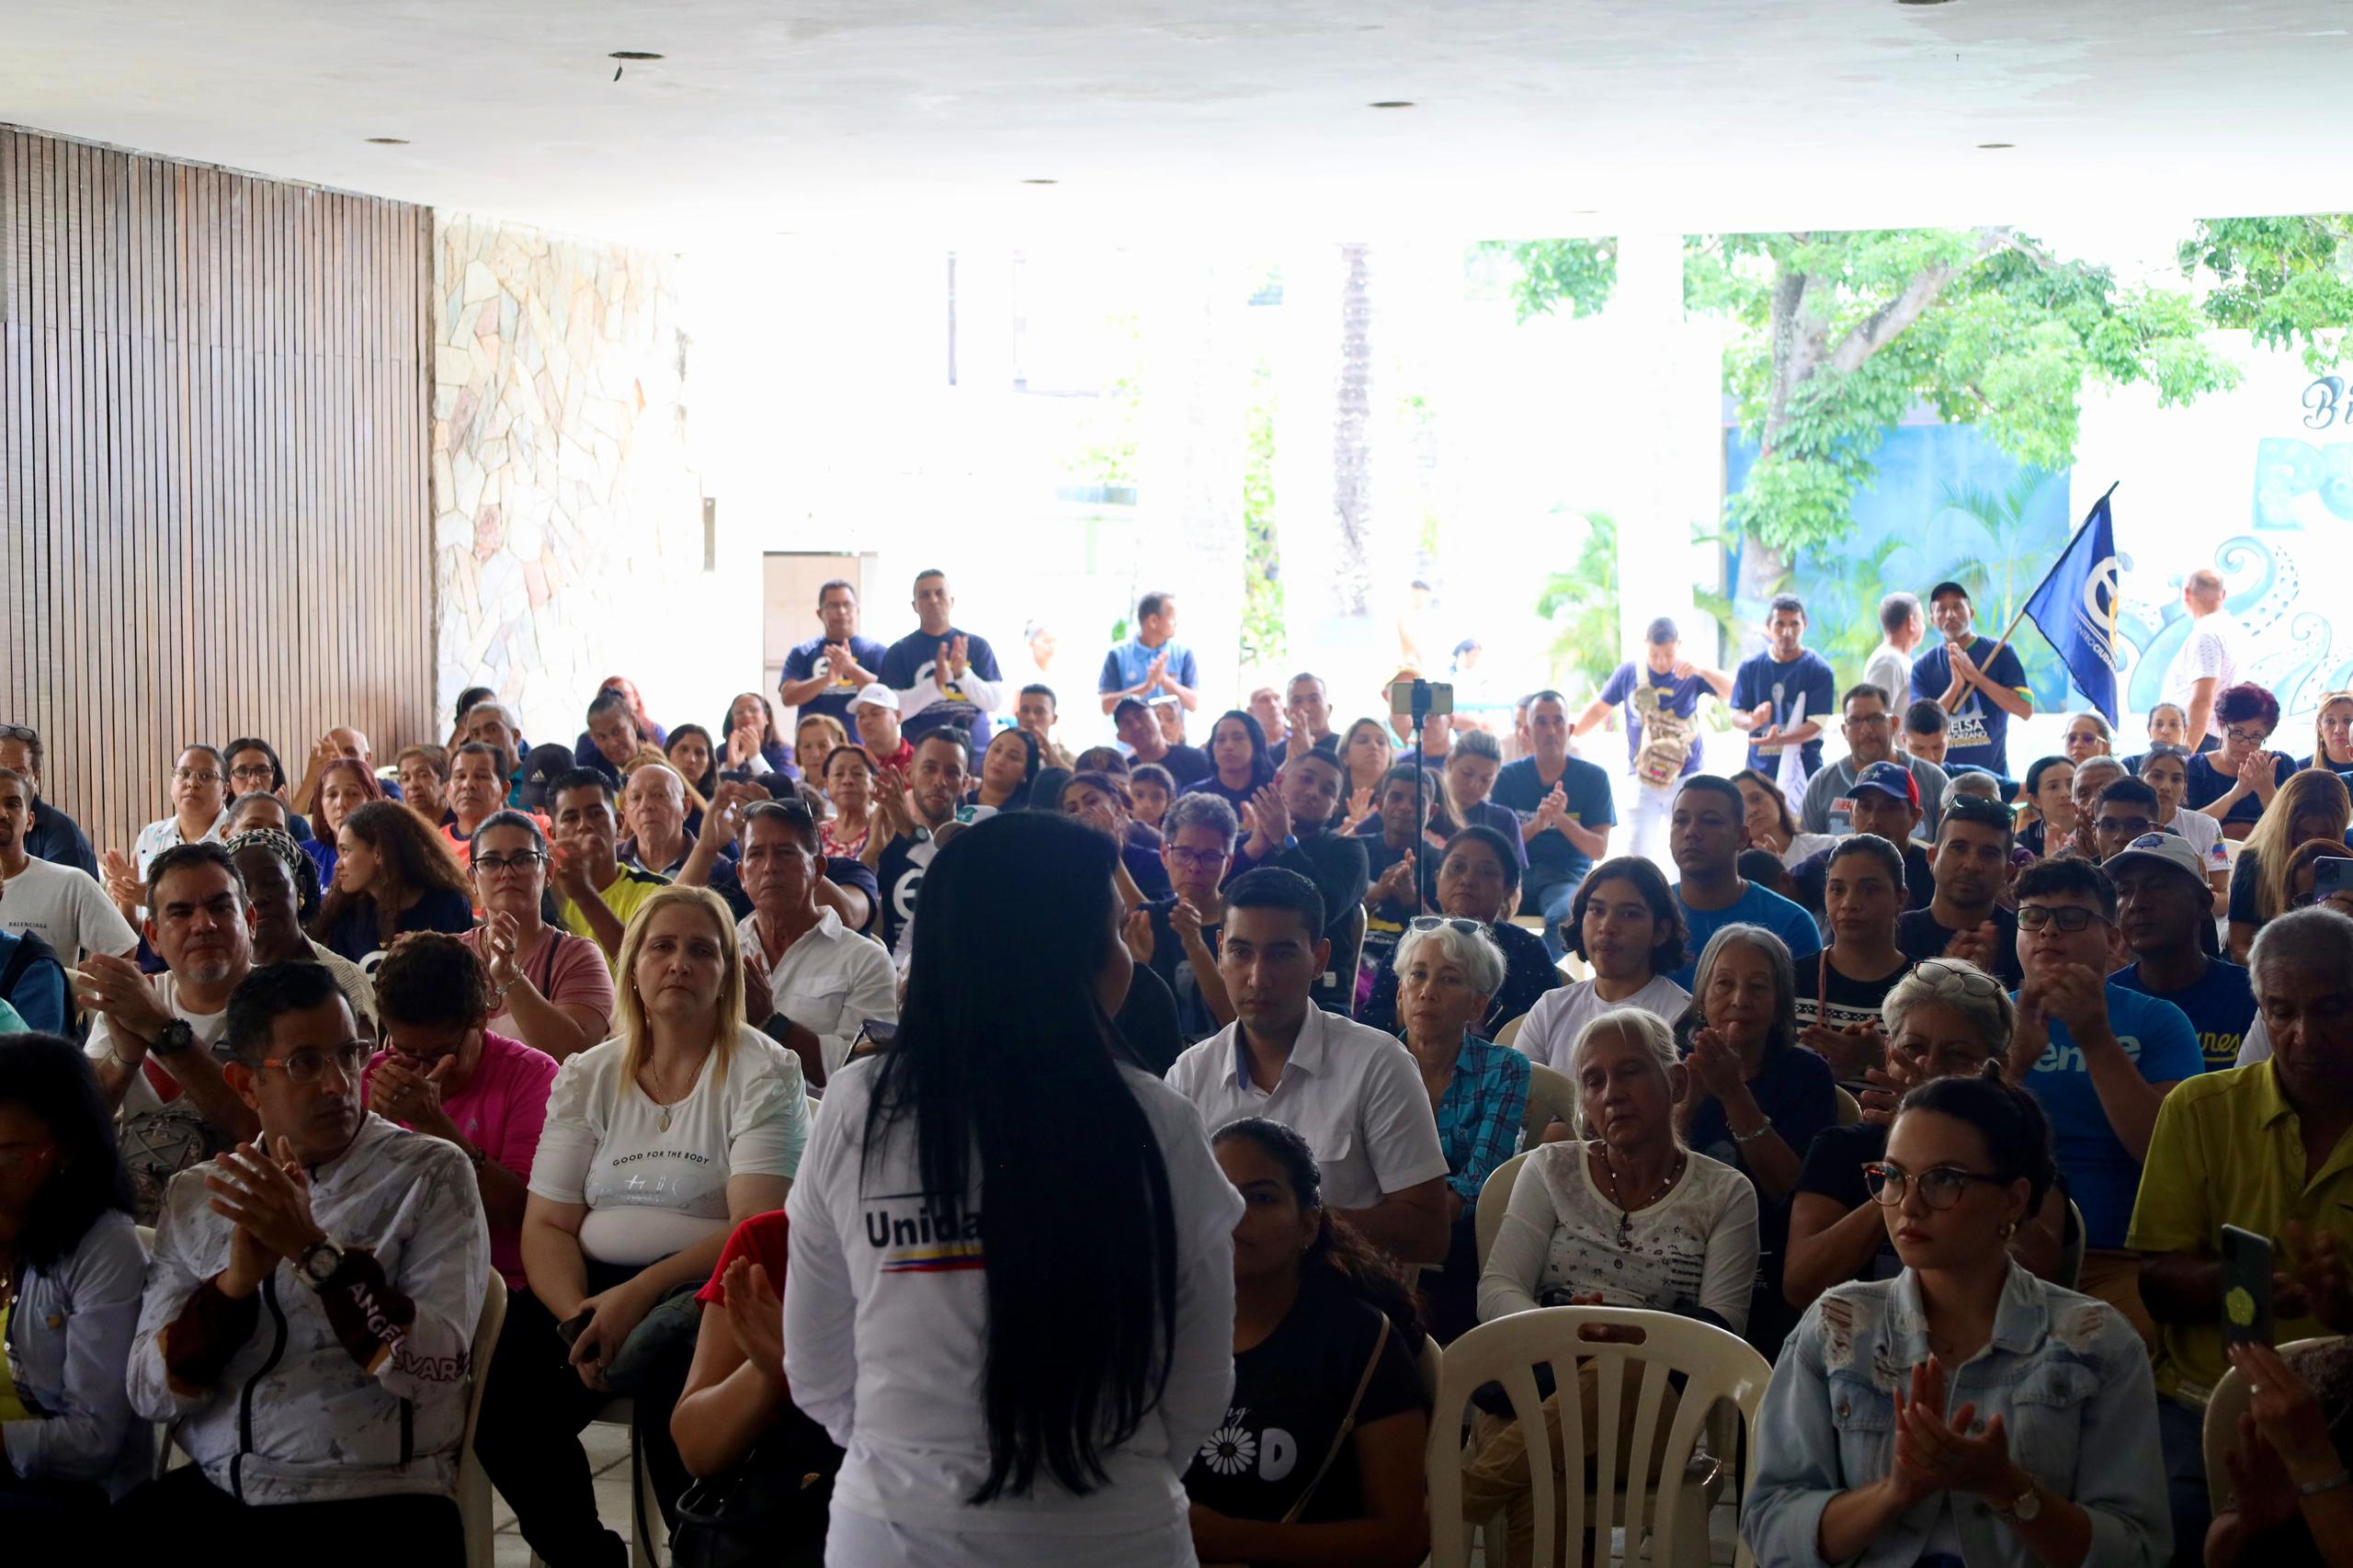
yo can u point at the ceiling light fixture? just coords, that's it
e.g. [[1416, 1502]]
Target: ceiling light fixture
[[1042, 182], [1924, 2], [388, 140], [1995, 146], [632, 54], [1393, 103]]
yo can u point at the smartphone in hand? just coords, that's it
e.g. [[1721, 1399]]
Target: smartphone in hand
[[572, 1328], [2247, 1287]]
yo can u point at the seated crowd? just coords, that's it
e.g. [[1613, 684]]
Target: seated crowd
[[694, 1046]]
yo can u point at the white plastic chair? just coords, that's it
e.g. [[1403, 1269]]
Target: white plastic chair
[[1509, 1032], [1719, 1370], [1551, 1097], [472, 1490], [2220, 1434], [1494, 1197]]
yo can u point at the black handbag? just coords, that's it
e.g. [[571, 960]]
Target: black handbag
[[768, 1510]]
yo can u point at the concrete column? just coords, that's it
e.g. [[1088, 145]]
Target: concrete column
[[1668, 387]]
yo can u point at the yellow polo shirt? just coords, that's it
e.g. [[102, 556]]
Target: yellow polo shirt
[[2229, 1150], [621, 895]]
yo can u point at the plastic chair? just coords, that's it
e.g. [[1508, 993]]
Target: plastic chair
[[2071, 1250], [1510, 1033], [1494, 1197], [1427, 1363], [2221, 1434], [1717, 1369], [473, 1489], [1550, 1098], [648, 1541], [1850, 1109]]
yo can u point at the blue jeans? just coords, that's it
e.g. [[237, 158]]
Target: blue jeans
[[2181, 1438], [1552, 901]]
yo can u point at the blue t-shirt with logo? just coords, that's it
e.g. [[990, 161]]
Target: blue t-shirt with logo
[[1758, 906], [2221, 1007], [1678, 696], [2102, 1176], [1979, 731], [1807, 682], [1551, 859]]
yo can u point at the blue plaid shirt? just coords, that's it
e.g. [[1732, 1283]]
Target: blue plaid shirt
[[1479, 1118]]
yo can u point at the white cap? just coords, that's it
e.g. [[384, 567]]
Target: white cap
[[878, 694], [2165, 848]]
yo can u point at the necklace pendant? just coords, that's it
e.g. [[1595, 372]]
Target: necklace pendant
[[663, 1124]]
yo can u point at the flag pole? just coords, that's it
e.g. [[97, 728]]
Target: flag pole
[[2003, 641]]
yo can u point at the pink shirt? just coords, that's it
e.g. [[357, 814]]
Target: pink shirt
[[568, 969], [500, 1111]]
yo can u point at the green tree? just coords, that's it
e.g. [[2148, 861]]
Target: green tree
[[1582, 604], [1837, 335], [1263, 641], [2286, 281]]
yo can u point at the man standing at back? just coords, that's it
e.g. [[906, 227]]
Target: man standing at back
[[943, 676], [1307, 716], [1981, 687], [1353, 1092], [1565, 813], [1152, 662], [1889, 668], [1870, 728], [1663, 691], [1782, 696], [51, 835], [2207, 663], [825, 674], [61, 904], [1706, 834]]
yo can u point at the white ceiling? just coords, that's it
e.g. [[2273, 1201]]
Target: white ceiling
[[840, 117]]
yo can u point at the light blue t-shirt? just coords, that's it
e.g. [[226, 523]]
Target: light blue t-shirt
[[2102, 1176], [1758, 906]]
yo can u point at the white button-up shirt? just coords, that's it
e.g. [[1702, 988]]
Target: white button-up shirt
[[1352, 1092], [830, 982]]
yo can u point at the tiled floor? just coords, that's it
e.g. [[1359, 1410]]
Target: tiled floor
[[608, 1449]]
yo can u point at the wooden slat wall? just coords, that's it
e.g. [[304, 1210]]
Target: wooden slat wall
[[213, 490]]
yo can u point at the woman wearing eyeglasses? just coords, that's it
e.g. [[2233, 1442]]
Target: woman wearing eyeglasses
[[199, 815], [2087, 736], [1627, 1217], [2311, 807], [2234, 783], [1963, 1411], [70, 1272], [1944, 1019], [547, 988]]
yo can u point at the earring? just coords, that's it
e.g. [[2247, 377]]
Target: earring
[[2009, 1227]]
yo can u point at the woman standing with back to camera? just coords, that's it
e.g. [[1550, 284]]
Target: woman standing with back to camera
[[1029, 1390]]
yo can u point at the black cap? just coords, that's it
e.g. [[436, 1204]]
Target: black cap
[[544, 765], [1941, 589]]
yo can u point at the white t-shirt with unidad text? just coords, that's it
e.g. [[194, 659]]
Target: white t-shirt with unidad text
[[1559, 1016], [653, 1190]]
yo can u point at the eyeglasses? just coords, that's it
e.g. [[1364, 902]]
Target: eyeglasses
[[521, 860], [1939, 1189], [1866, 720], [2246, 736], [2068, 917], [18, 733], [1195, 859], [308, 1066], [195, 776], [253, 773], [1975, 981], [1452, 922]]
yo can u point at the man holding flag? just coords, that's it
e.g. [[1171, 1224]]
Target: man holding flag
[[1980, 682]]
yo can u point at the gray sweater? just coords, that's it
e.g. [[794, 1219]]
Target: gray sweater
[[69, 1336]]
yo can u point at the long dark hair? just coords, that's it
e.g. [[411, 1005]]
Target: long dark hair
[[416, 858], [51, 1080], [1001, 1034], [1262, 765], [1338, 1245]]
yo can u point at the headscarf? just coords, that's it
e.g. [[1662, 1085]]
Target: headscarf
[[304, 875]]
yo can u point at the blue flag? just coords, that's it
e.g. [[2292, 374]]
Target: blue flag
[[2075, 608]]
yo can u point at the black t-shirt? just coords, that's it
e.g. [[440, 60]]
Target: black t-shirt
[[354, 933], [1291, 1392], [1834, 1168], [1920, 936], [1812, 878], [1188, 765], [1147, 1021], [1850, 1001], [1146, 867]]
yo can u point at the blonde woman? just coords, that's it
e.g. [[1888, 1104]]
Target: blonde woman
[[2333, 734], [657, 1143], [2311, 807]]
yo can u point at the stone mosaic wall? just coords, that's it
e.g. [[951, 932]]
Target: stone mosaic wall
[[566, 504]]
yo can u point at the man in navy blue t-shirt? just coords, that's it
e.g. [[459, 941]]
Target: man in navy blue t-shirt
[[2162, 900], [825, 674], [1981, 685], [1782, 696], [1564, 810], [943, 674], [1661, 682]]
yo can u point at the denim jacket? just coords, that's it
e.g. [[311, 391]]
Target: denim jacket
[[2068, 1376], [69, 1336]]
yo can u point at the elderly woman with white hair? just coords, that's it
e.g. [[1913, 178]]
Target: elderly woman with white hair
[[1626, 1217], [1449, 969], [1944, 1019]]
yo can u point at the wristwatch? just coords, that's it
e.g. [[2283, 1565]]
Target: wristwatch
[[2026, 1509], [318, 1262], [173, 1038]]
